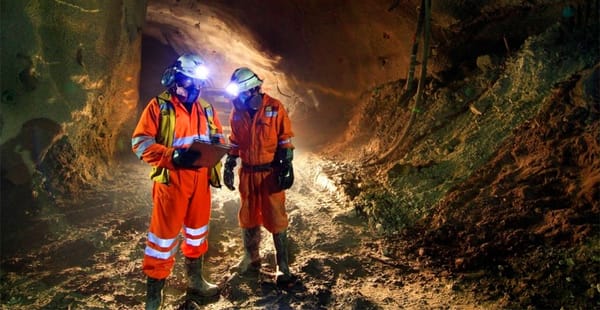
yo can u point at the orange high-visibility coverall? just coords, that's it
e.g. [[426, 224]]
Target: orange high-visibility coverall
[[185, 200], [255, 140]]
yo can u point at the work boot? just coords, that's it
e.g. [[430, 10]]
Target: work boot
[[196, 283], [284, 277], [154, 293], [251, 259]]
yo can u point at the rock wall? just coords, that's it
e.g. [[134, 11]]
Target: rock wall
[[70, 69], [70, 73]]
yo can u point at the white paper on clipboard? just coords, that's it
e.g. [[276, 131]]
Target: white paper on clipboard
[[210, 154]]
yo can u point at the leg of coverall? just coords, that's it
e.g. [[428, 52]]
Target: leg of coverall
[[196, 226]]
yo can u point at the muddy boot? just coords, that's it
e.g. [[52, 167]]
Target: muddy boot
[[284, 277], [154, 293], [197, 286], [251, 259]]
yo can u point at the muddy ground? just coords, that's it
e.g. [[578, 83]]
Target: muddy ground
[[490, 202], [87, 255]]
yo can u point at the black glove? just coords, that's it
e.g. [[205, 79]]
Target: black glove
[[284, 155], [215, 140], [283, 161], [185, 158], [285, 178], [230, 163]]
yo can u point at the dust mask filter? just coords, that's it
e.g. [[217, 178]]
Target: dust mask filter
[[254, 101], [187, 94], [193, 94]]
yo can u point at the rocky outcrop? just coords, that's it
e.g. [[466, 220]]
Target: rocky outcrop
[[70, 73]]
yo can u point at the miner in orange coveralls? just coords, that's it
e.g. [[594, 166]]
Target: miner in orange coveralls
[[261, 135], [181, 193]]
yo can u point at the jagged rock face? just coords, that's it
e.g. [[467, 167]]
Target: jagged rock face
[[318, 57], [71, 70], [70, 73], [322, 57]]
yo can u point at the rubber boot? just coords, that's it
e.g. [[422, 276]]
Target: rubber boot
[[251, 259], [284, 276], [154, 293], [197, 285]]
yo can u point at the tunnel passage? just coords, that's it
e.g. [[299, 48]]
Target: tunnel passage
[[334, 50], [317, 58], [321, 59]]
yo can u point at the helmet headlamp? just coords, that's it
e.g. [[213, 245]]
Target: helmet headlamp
[[243, 79], [201, 72], [233, 89], [187, 70]]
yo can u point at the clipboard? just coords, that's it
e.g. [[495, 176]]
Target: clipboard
[[211, 154]]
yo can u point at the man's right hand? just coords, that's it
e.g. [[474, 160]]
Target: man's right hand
[[185, 158], [228, 177]]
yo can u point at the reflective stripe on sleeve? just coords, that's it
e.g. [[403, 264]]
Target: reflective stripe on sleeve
[[142, 143], [181, 142], [286, 141]]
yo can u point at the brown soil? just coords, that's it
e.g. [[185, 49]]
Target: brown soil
[[87, 255], [524, 228], [512, 212]]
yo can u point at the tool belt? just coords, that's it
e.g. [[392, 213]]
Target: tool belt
[[256, 168]]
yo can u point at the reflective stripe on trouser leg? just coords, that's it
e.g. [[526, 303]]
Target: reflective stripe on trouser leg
[[159, 256], [172, 204], [196, 221], [262, 202]]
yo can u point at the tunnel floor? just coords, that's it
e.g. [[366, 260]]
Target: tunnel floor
[[87, 254]]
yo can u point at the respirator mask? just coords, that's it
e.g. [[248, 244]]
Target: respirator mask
[[187, 89], [251, 99]]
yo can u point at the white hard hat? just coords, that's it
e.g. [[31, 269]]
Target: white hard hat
[[243, 79], [190, 65]]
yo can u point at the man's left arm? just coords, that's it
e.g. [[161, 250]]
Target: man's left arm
[[285, 150], [284, 132], [219, 133]]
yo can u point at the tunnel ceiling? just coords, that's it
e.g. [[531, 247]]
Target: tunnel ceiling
[[500, 159], [321, 57], [77, 84], [318, 57]]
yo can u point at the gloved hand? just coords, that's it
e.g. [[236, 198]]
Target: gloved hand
[[230, 163], [215, 140], [283, 160], [184, 158], [285, 178]]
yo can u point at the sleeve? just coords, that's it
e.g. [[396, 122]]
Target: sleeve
[[285, 132], [143, 141], [233, 140], [219, 126]]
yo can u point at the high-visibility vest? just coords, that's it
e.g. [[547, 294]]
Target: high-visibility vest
[[166, 132]]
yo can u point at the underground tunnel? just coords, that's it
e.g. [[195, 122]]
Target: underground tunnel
[[447, 153]]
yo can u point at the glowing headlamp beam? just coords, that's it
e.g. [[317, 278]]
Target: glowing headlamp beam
[[201, 72], [232, 89]]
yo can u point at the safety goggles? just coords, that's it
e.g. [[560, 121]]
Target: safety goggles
[[183, 81]]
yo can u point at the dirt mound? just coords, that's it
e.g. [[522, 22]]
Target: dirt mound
[[497, 179], [527, 222]]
